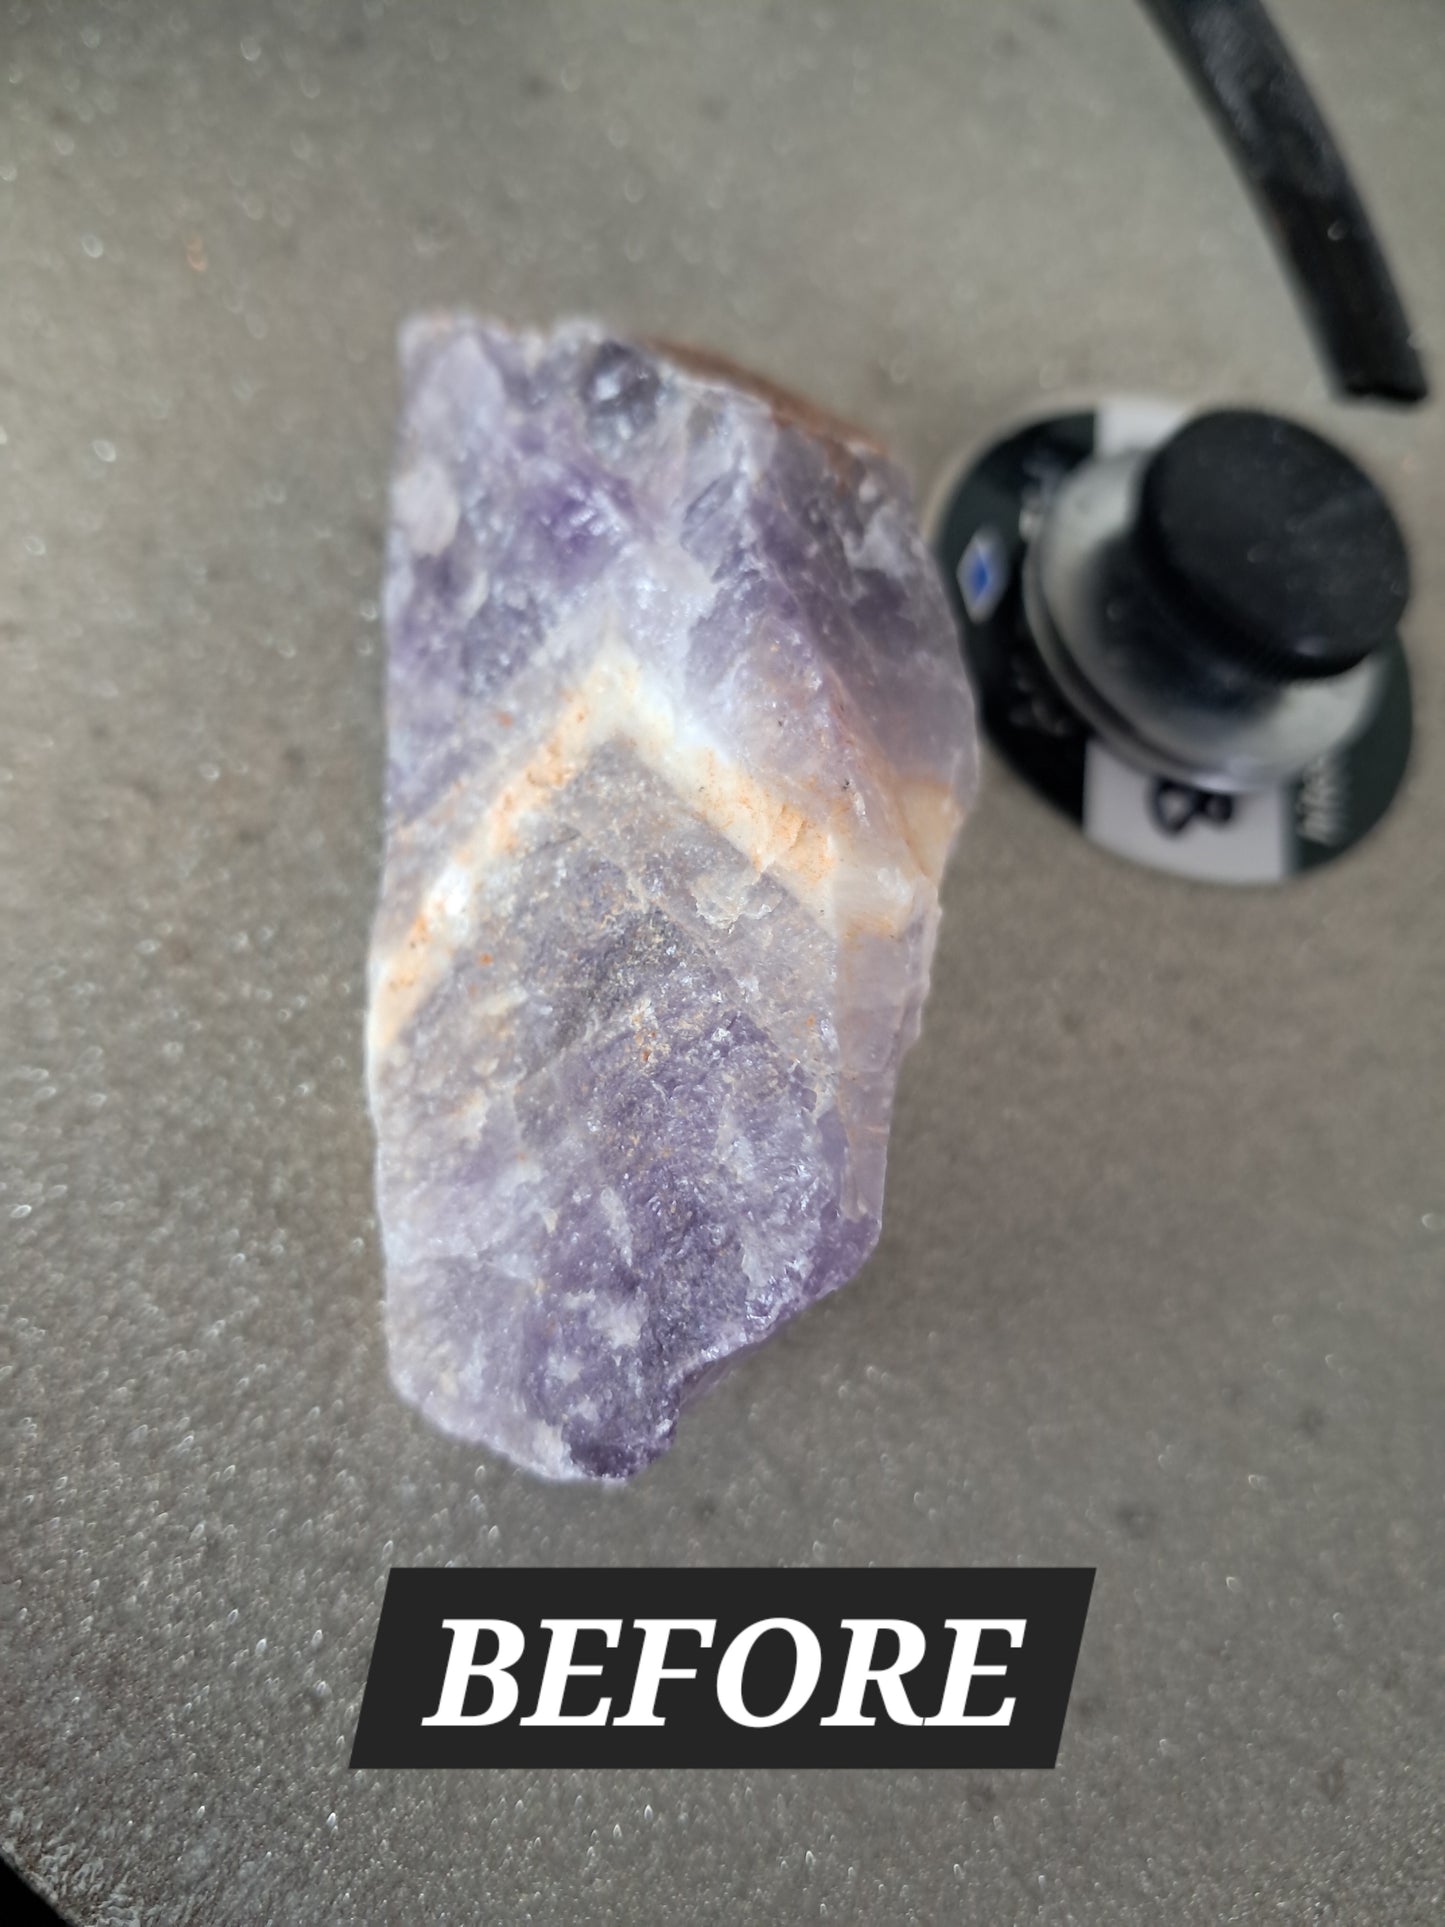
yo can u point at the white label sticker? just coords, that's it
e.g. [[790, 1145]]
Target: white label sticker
[[1219, 839]]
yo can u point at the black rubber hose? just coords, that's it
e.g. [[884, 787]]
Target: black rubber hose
[[1233, 53]]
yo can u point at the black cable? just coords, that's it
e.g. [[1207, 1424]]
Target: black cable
[[1235, 57]]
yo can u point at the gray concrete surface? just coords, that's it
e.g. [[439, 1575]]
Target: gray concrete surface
[[1160, 1287]]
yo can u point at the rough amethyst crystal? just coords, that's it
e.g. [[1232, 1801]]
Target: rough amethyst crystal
[[678, 742]]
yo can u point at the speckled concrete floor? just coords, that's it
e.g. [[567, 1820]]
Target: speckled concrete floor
[[1161, 1285]]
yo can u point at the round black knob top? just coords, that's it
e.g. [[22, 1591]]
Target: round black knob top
[[1275, 549]]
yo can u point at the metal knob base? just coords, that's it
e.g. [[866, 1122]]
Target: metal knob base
[[1167, 742]]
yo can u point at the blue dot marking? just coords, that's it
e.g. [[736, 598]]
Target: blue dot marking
[[983, 574]]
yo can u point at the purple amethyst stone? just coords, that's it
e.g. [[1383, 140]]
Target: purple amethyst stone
[[679, 740]]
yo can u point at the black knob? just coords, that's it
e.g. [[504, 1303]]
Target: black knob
[[1270, 546]]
